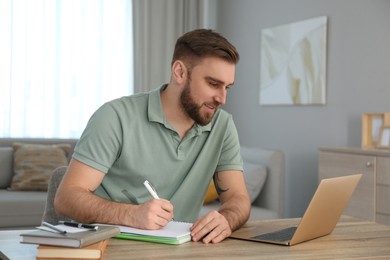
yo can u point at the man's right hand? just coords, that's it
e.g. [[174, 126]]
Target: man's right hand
[[153, 214], [75, 200]]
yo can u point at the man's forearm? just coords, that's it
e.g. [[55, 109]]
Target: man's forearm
[[86, 207], [236, 211]]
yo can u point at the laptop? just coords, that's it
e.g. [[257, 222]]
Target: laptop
[[320, 218]]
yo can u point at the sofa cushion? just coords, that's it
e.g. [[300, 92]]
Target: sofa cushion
[[34, 164], [254, 177], [5, 166], [211, 193]]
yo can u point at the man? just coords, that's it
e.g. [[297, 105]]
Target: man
[[176, 137]]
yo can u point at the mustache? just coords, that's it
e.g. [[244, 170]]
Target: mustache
[[214, 104]]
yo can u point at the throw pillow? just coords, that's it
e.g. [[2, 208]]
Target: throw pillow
[[211, 193], [254, 176], [34, 164]]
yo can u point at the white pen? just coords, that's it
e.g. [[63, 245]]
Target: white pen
[[151, 190]]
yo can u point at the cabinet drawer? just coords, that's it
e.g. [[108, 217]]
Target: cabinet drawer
[[346, 163], [383, 171], [383, 190], [383, 219], [383, 199]]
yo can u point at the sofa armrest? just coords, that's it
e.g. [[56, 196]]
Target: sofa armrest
[[6, 162], [272, 195]]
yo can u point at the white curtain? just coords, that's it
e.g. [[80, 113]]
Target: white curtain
[[61, 60], [157, 24]]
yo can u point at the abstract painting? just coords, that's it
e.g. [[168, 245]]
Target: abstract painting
[[293, 63]]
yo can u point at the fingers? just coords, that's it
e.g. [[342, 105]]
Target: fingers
[[167, 208], [212, 228], [155, 214]]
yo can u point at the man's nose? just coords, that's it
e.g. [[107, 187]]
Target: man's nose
[[221, 96]]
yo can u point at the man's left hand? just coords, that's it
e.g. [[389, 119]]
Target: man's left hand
[[211, 228]]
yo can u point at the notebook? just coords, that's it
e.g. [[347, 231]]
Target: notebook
[[320, 218], [174, 233]]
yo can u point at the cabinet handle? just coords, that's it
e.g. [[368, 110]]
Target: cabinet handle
[[368, 164]]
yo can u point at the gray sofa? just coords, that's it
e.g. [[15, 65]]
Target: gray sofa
[[25, 208], [21, 208]]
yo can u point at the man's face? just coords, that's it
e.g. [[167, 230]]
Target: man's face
[[206, 88]]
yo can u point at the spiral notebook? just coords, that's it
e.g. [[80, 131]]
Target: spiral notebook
[[174, 233]]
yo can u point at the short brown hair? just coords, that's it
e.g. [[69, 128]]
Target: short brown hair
[[202, 43]]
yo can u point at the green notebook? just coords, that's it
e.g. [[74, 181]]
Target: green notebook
[[174, 233]]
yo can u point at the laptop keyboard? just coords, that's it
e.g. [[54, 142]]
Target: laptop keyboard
[[278, 236]]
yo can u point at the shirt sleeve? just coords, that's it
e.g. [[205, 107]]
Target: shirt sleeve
[[230, 154], [100, 144]]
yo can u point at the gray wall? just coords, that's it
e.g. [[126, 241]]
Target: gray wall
[[358, 81]]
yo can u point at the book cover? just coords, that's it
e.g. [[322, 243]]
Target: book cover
[[93, 251], [173, 233], [76, 239]]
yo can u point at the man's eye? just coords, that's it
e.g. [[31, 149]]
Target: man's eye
[[214, 84]]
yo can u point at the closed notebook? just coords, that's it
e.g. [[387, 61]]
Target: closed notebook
[[173, 233], [94, 251], [70, 239]]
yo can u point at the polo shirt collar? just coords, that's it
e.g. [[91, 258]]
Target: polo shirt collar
[[155, 111]]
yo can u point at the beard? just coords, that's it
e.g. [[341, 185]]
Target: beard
[[193, 110]]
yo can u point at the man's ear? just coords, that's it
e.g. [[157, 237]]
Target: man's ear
[[179, 72]]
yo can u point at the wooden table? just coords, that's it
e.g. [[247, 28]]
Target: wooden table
[[351, 239]]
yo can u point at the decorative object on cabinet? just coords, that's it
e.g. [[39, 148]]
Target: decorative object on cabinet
[[385, 137], [373, 127]]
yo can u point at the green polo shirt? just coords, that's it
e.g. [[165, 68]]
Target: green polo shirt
[[130, 141]]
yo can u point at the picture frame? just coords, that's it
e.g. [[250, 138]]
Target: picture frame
[[384, 137], [375, 130], [372, 124]]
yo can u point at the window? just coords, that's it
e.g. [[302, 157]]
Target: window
[[60, 61]]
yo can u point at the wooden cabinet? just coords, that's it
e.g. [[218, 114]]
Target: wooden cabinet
[[371, 199]]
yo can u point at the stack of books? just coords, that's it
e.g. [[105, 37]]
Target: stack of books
[[65, 242], [69, 242]]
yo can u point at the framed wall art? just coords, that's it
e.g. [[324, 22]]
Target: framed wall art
[[293, 63]]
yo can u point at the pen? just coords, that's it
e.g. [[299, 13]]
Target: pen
[[78, 225], [53, 227], [151, 190]]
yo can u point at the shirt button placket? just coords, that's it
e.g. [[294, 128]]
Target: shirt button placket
[[180, 153]]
